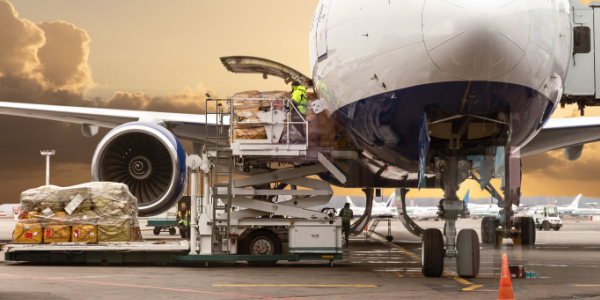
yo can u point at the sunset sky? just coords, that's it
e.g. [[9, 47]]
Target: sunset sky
[[165, 55]]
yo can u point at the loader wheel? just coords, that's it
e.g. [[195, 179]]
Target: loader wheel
[[432, 253], [262, 242], [156, 230], [172, 231]]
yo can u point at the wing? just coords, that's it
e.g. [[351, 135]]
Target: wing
[[562, 133], [185, 126]]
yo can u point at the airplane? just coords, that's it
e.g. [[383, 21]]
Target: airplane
[[379, 210], [422, 89]]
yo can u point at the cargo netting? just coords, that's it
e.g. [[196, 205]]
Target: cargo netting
[[88, 213]]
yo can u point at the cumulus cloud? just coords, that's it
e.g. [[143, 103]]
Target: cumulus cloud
[[21, 40], [64, 56]]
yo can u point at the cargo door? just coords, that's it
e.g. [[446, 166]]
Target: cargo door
[[265, 67], [581, 79], [322, 28]]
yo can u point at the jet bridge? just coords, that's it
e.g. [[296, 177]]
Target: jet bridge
[[582, 86]]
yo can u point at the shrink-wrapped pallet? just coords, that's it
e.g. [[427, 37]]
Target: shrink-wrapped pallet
[[84, 234], [57, 234], [27, 232], [98, 211]]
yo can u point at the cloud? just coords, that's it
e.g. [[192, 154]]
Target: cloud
[[189, 101], [21, 40], [64, 56]]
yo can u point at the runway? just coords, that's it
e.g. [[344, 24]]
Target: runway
[[567, 264]]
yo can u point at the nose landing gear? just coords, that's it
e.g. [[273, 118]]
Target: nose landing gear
[[465, 247]]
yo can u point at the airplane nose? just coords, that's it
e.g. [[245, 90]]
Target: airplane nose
[[476, 39]]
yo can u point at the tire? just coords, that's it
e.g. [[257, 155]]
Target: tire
[[172, 231], [468, 258], [484, 230], [488, 224], [527, 231], [556, 228], [432, 253], [262, 242], [390, 238], [546, 226], [156, 230]]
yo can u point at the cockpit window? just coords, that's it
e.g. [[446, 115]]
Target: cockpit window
[[581, 40]]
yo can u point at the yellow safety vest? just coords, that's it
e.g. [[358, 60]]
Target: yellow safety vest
[[184, 220], [300, 98], [347, 216]]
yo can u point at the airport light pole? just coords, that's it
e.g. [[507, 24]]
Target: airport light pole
[[47, 154]]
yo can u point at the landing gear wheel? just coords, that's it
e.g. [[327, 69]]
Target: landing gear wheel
[[432, 253], [390, 238], [527, 231], [262, 242], [467, 260], [156, 230], [546, 226], [172, 231]]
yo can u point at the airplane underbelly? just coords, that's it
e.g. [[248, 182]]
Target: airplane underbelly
[[464, 57]]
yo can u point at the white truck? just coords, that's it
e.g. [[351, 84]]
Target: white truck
[[546, 217]]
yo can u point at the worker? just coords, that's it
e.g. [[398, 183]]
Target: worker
[[300, 102], [347, 214], [183, 217]]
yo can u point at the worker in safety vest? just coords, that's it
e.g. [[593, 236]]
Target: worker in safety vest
[[300, 101], [183, 217], [347, 214]]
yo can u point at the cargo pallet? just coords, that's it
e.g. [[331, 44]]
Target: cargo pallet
[[218, 222]]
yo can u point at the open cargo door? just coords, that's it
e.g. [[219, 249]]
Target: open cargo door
[[256, 65]]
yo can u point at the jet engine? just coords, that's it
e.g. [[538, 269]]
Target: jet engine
[[149, 159], [573, 153]]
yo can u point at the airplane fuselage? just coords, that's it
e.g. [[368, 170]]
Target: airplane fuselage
[[382, 65]]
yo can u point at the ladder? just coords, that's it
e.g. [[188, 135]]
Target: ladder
[[220, 154]]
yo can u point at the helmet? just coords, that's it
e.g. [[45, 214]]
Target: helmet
[[295, 83]]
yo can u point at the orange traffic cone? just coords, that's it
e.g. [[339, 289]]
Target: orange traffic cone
[[506, 289]]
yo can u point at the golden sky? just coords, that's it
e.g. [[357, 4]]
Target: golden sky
[[164, 55]]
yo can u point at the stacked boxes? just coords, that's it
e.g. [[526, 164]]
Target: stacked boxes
[[323, 130], [87, 213]]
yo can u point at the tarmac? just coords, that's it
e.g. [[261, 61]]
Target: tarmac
[[567, 264]]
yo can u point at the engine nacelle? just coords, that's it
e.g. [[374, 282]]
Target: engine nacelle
[[573, 153], [149, 159]]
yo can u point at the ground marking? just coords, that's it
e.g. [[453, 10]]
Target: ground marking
[[587, 285], [298, 285], [142, 286]]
